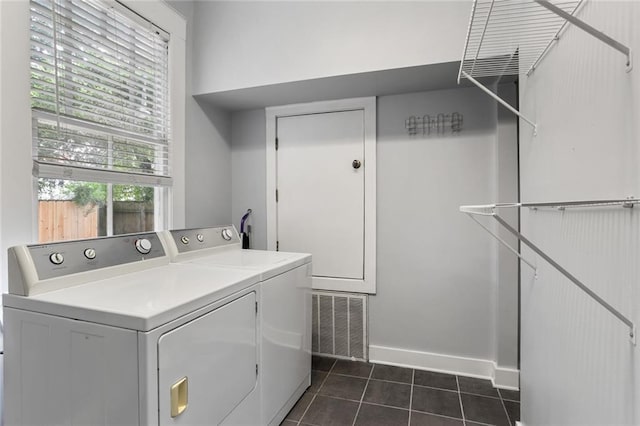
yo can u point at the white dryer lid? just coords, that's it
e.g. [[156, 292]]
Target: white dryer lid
[[140, 300], [267, 263]]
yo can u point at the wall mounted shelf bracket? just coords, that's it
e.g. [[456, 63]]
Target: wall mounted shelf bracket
[[589, 29], [491, 210], [499, 100]]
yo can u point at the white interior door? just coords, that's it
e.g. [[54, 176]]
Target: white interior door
[[321, 198]]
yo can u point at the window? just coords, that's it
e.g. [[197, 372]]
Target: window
[[73, 209], [100, 119]]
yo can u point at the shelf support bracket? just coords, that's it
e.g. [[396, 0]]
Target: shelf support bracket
[[500, 100], [567, 274], [504, 243], [589, 29], [490, 210]]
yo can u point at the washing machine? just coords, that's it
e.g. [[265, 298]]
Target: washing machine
[[107, 331], [284, 308]]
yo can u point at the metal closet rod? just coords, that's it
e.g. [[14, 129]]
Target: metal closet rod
[[482, 209], [490, 210]]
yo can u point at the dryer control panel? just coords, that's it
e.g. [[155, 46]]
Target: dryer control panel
[[188, 240], [71, 257], [40, 268]]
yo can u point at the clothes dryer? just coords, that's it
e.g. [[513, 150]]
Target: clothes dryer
[[107, 331], [284, 308]]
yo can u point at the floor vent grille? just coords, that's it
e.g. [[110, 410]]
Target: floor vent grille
[[340, 325]]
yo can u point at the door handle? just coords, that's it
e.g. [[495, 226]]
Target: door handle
[[179, 396], [356, 164]]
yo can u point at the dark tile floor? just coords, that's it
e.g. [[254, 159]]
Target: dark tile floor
[[358, 393]]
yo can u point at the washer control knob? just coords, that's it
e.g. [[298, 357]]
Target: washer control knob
[[184, 239], [227, 234], [200, 238], [143, 246], [56, 258], [90, 253]]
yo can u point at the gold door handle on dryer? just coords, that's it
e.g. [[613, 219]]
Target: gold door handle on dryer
[[179, 396]]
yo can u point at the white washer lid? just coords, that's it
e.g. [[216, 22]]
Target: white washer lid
[[141, 300], [267, 263]]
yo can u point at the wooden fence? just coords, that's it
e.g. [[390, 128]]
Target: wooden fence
[[65, 220], [132, 216]]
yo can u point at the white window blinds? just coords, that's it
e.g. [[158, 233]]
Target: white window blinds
[[99, 93]]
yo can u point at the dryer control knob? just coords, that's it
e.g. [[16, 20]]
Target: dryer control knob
[[227, 234], [184, 239], [90, 253], [143, 246], [56, 258], [200, 237]]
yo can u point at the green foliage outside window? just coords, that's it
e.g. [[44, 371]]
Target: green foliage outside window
[[91, 193]]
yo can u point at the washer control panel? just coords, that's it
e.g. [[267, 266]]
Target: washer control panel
[[187, 240], [70, 257]]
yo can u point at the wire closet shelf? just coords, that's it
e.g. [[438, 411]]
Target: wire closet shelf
[[511, 37], [491, 210]]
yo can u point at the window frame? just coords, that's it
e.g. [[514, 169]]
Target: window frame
[[18, 216], [169, 200]]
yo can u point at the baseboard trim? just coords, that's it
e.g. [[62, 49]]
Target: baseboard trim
[[505, 378]]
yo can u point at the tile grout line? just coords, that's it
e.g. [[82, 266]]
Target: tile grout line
[[380, 380], [413, 379], [395, 407], [440, 415], [443, 389], [504, 407], [326, 377], [479, 394], [422, 386], [317, 393], [363, 392], [412, 385], [375, 403], [306, 409], [464, 421]]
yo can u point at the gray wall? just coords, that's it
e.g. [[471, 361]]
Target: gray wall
[[436, 268], [506, 313], [248, 165], [242, 44], [437, 289], [434, 264], [207, 149], [578, 366]]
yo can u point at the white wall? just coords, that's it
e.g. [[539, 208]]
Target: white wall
[[577, 363], [207, 149], [16, 191], [255, 43], [248, 163], [1, 268]]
